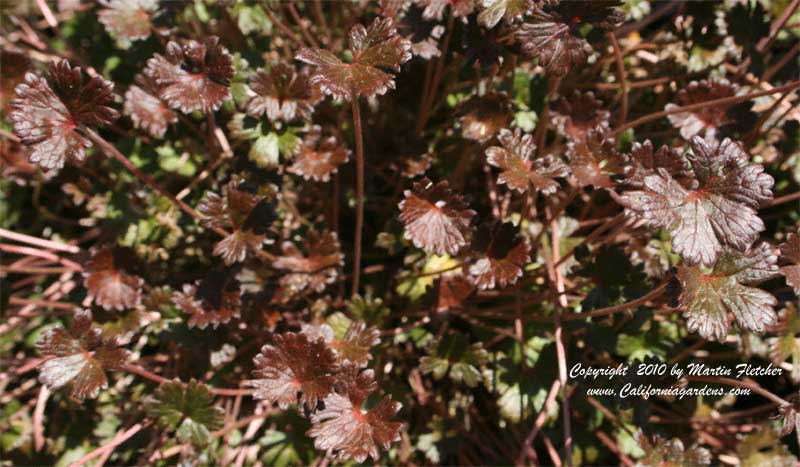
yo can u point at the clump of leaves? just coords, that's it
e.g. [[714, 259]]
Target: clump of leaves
[[714, 207]]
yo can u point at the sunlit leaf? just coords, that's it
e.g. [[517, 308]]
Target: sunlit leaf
[[713, 209], [282, 94], [79, 357], [519, 166], [502, 253], [345, 430], [193, 76], [49, 113], [145, 109], [708, 296], [436, 219], [317, 158], [374, 49], [108, 282], [294, 369], [790, 253], [127, 19], [315, 269], [554, 36]]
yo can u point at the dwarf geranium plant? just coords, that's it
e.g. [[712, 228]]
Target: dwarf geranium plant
[[399, 232]]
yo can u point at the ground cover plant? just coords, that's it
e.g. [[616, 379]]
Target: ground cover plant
[[447, 232]]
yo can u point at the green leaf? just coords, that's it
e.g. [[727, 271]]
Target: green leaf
[[190, 410], [265, 152], [454, 354]]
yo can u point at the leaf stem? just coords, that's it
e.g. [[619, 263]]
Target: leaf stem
[[116, 441], [111, 151], [741, 384], [359, 192], [561, 350], [623, 113], [706, 104], [135, 369], [610, 310]]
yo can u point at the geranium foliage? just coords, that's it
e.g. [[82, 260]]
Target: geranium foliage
[[79, 357], [49, 112], [400, 232]]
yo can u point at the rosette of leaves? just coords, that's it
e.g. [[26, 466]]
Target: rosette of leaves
[[213, 300], [79, 357], [294, 369], [713, 120], [315, 269], [108, 278], [502, 254], [482, 117], [49, 114], [554, 33], [435, 218], [344, 429], [354, 345], [455, 357], [194, 76], [188, 409], [282, 94], [595, 159], [246, 214], [576, 115], [519, 169], [786, 345], [145, 109], [671, 453], [707, 296], [316, 158], [374, 49], [716, 206], [128, 20], [790, 254]]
